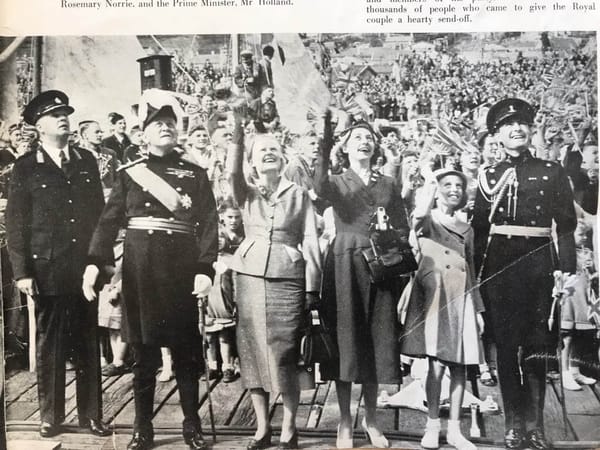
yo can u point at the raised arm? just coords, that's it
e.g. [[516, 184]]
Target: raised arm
[[235, 163]]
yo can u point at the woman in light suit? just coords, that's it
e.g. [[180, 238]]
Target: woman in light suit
[[277, 274]]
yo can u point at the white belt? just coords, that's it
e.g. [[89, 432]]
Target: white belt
[[518, 230]]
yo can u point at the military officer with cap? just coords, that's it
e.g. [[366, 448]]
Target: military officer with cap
[[518, 202], [54, 202], [169, 211]]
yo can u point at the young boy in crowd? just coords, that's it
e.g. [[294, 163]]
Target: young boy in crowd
[[220, 321]]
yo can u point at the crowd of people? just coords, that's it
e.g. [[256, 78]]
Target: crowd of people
[[492, 187]]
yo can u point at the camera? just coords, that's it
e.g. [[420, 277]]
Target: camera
[[383, 219]]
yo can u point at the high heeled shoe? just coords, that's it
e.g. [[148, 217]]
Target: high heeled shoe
[[263, 442], [376, 441], [292, 443], [343, 443]]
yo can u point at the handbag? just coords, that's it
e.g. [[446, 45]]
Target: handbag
[[389, 256], [317, 345]]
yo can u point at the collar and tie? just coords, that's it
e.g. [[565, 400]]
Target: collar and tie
[[64, 161]]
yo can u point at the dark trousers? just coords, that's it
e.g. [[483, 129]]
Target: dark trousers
[[187, 365], [67, 326], [523, 394]]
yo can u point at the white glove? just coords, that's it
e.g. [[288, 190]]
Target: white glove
[[27, 286], [202, 286], [89, 281], [220, 267]]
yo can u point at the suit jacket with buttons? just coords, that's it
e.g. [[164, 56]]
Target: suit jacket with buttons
[[50, 217], [281, 233]]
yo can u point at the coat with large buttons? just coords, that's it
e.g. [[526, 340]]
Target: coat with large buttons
[[159, 266], [516, 271], [50, 217], [441, 317]]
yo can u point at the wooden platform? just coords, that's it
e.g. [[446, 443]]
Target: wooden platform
[[317, 416]]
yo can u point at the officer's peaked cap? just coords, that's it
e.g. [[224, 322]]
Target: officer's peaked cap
[[45, 103], [506, 109]]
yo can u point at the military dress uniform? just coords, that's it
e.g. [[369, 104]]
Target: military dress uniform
[[163, 251], [50, 218], [516, 205]]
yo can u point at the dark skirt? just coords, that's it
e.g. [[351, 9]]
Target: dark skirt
[[270, 317]]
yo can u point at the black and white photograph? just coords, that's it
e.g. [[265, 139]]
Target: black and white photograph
[[301, 240]]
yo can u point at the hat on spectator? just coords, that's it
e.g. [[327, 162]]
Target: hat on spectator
[[246, 53], [114, 117], [506, 109], [441, 173], [45, 103]]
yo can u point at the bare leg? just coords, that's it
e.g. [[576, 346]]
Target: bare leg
[[433, 387], [225, 343], [291, 399], [167, 365], [344, 389], [260, 401], [457, 390], [370, 422], [118, 347]]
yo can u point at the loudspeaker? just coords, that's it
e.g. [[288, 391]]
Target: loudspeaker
[[155, 72]]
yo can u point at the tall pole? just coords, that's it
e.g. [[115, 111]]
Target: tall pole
[[38, 42]]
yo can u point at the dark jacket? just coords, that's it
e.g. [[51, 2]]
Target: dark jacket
[[118, 147], [50, 218]]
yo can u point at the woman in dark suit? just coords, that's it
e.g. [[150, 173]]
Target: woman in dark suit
[[361, 313], [277, 275]]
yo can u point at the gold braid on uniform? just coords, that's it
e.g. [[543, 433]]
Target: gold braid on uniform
[[494, 195], [103, 164]]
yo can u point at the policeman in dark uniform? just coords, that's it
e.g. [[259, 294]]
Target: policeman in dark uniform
[[517, 203], [54, 203], [169, 211]]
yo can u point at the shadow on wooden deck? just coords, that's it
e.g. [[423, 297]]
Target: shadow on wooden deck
[[317, 416]]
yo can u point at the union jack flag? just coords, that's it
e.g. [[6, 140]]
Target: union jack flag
[[594, 309]]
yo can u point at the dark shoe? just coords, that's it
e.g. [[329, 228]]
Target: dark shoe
[[514, 439], [195, 441], [98, 428], [140, 441], [292, 443], [263, 442], [48, 430], [537, 440], [113, 371], [229, 376], [213, 374]]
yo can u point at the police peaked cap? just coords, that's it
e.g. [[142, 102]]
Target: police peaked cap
[[45, 103], [507, 109]]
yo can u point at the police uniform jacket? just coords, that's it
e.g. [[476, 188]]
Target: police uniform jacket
[[159, 265], [516, 271], [51, 215]]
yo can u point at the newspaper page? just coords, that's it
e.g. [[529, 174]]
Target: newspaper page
[[427, 175]]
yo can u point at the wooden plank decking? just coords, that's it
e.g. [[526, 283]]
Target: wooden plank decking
[[317, 416]]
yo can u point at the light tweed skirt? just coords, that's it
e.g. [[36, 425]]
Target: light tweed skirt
[[270, 315]]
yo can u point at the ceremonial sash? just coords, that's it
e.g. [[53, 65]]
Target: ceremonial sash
[[158, 188]]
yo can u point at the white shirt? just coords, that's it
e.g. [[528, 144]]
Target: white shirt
[[54, 153]]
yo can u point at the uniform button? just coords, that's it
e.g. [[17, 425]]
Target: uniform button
[[68, 182], [70, 201], [87, 180], [150, 231], [462, 270], [541, 192], [147, 204], [447, 252], [169, 232], [34, 256], [448, 266], [491, 170], [44, 186], [171, 219], [538, 207], [501, 209], [144, 190], [178, 189], [72, 220], [533, 222], [73, 240], [180, 176], [508, 236], [545, 178], [548, 165], [180, 163], [493, 181]]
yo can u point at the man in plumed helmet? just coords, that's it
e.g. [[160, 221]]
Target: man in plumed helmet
[[518, 202], [168, 208], [54, 202]]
